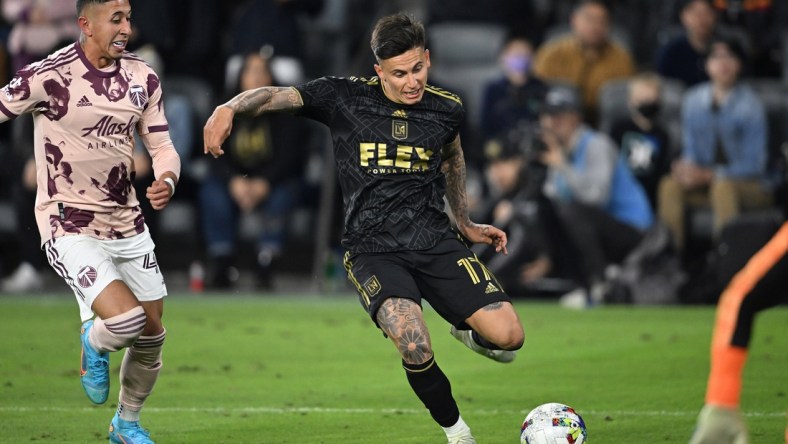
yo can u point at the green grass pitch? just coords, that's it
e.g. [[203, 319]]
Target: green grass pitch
[[305, 369]]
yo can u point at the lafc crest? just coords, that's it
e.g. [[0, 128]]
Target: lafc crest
[[399, 129], [372, 286]]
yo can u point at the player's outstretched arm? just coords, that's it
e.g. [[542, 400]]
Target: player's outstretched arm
[[454, 169], [250, 103]]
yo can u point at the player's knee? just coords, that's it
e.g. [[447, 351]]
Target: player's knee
[[415, 348], [121, 331], [511, 339]]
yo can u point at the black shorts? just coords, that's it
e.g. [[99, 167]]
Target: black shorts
[[448, 276]]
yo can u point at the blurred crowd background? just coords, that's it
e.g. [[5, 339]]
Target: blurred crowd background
[[684, 100]]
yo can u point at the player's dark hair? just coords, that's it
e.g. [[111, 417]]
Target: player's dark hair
[[82, 3], [396, 34]]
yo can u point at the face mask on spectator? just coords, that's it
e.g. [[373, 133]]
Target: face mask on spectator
[[648, 110], [517, 64]]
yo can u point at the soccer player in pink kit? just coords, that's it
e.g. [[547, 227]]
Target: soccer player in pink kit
[[86, 100]]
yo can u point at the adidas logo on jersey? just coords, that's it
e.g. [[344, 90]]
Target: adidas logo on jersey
[[490, 288], [84, 102]]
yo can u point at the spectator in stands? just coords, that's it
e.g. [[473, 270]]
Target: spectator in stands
[[188, 34], [258, 23], [586, 58], [764, 24], [514, 206], [682, 58], [514, 98], [643, 142], [180, 119], [38, 26], [521, 16], [260, 171], [27, 276], [603, 210], [724, 154]]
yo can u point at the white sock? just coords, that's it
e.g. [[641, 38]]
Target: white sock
[[127, 414], [459, 428]]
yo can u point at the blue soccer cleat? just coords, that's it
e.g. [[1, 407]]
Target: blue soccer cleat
[[127, 432], [94, 368]]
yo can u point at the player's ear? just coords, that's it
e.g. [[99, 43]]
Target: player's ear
[[427, 58], [378, 70], [84, 25]]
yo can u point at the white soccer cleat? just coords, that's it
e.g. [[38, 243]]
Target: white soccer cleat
[[465, 337], [720, 425], [462, 438]]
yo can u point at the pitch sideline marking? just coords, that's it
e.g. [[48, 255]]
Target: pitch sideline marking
[[367, 411]]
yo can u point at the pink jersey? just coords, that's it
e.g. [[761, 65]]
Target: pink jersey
[[84, 121]]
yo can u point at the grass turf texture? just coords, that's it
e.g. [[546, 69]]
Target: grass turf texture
[[315, 370]]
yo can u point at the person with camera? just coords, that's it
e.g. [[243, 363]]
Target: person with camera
[[514, 177], [603, 210]]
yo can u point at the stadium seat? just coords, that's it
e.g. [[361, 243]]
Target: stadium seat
[[199, 92], [464, 58], [784, 44], [8, 223], [774, 95]]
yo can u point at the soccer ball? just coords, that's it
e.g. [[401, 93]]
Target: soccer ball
[[553, 423]]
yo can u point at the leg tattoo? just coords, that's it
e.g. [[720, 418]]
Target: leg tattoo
[[403, 322]]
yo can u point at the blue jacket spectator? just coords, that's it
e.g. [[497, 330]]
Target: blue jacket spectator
[[602, 209], [738, 126], [724, 152]]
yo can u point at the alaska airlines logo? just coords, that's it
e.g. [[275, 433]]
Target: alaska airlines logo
[[408, 159], [107, 126]]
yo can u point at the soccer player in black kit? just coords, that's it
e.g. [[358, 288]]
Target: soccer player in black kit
[[398, 153]]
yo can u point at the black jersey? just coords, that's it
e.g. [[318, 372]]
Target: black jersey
[[388, 158]]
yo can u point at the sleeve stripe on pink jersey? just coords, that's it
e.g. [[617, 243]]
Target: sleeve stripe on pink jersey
[[7, 112], [132, 56], [158, 128], [55, 66], [58, 57]]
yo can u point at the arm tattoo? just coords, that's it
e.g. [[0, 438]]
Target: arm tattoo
[[266, 99], [402, 321], [493, 306], [454, 169]]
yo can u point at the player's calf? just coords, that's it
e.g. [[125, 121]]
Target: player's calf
[[100, 337], [477, 343], [138, 374]]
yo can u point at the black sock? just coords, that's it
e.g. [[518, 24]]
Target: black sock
[[483, 342], [433, 388]]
